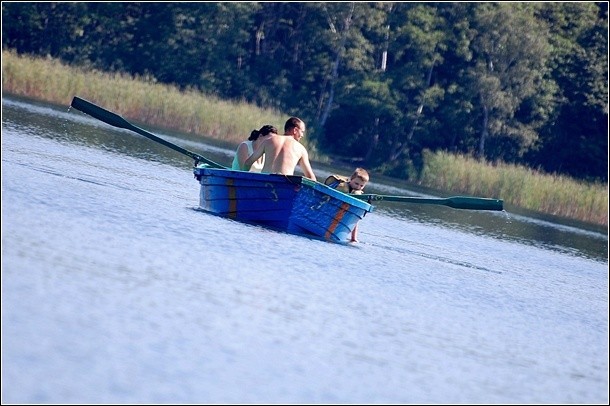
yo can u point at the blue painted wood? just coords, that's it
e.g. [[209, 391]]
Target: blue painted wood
[[288, 203]]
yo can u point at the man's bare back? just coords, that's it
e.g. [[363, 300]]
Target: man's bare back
[[282, 154], [285, 153]]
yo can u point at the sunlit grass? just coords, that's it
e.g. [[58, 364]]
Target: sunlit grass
[[139, 99], [142, 100], [518, 186]]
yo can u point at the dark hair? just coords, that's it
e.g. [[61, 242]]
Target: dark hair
[[266, 129], [291, 123]]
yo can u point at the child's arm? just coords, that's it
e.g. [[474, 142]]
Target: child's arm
[[355, 234]]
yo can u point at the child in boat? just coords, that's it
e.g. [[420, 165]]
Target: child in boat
[[353, 185]]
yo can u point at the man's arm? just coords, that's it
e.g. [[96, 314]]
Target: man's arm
[[255, 155], [306, 166]]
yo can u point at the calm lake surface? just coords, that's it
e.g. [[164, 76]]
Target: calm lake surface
[[116, 289]]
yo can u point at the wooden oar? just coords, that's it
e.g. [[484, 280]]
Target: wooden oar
[[456, 202], [118, 121]]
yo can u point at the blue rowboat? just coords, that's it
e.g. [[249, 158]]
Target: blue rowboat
[[290, 203], [293, 204]]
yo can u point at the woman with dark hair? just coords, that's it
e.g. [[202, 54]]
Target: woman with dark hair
[[245, 149]]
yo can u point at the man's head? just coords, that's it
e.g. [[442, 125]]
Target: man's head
[[295, 127]]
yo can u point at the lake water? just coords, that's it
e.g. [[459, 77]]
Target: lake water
[[116, 289]]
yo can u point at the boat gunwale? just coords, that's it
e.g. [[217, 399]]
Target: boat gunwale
[[279, 178]]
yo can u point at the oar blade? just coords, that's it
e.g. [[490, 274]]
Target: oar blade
[[100, 113], [118, 121], [475, 203]]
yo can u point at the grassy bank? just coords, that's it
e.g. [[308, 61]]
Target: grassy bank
[[519, 186], [139, 99], [143, 100]]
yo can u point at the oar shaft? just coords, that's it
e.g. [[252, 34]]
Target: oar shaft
[[118, 121], [456, 202]]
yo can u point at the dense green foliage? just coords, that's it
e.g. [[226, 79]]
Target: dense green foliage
[[523, 83]]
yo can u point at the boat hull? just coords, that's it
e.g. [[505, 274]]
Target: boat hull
[[288, 203]]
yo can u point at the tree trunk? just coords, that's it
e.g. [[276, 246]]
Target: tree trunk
[[484, 132], [399, 149], [373, 143], [335, 69]]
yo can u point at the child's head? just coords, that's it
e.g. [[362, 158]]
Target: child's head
[[358, 180]]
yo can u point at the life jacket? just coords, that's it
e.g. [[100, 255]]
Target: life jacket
[[340, 183]]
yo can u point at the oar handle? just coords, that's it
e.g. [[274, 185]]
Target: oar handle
[[456, 202], [118, 121]]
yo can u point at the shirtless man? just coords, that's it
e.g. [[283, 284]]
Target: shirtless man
[[284, 152]]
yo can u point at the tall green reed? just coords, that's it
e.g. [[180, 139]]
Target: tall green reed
[[519, 186], [135, 98]]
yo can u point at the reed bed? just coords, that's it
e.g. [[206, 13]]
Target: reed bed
[[519, 186], [135, 98], [143, 100]]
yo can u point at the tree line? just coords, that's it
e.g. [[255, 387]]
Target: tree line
[[377, 83]]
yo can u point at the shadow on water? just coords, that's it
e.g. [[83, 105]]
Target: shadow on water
[[71, 126]]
